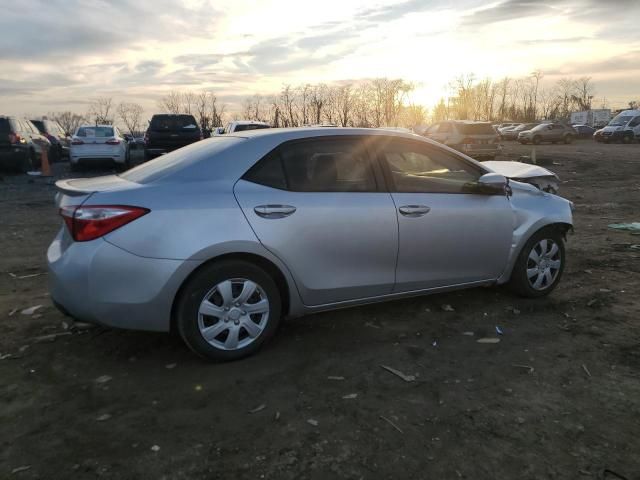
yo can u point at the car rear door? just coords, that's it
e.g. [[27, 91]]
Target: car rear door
[[449, 232], [318, 204]]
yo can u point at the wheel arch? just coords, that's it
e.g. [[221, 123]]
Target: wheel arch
[[559, 226], [267, 265]]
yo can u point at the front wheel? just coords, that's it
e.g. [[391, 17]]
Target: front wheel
[[227, 310], [540, 264]]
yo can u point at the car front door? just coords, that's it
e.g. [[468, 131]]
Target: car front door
[[451, 232], [319, 206]]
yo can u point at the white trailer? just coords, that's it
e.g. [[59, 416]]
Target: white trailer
[[594, 118]]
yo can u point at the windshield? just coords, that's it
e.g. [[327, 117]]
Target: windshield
[[178, 159], [620, 120], [476, 128], [39, 125], [98, 132], [173, 122]]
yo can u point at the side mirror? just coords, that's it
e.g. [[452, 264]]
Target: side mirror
[[493, 180]]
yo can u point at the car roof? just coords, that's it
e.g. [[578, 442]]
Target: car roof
[[91, 125], [249, 122], [308, 132]]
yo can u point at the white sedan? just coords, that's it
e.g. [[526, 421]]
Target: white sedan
[[97, 144]]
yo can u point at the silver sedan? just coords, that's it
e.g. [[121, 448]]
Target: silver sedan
[[220, 239]]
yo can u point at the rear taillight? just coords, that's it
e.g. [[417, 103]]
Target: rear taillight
[[468, 141], [15, 138], [91, 222], [113, 141], [77, 141]]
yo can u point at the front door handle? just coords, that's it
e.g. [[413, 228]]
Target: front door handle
[[274, 211], [414, 210]]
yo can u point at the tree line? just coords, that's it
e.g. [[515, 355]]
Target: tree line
[[373, 103]]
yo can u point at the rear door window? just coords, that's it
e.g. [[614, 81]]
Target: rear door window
[[318, 165]]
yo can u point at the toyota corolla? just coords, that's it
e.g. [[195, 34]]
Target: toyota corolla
[[221, 239]]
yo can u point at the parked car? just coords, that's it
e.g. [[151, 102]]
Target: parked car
[[476, 139], [168, 132], [508, 128], [21, 144], [243, 125], [597, 135], [57, 136], [547, 132], [512, 133], [625, 127], [99, 144], [584, 131], [220, 239]]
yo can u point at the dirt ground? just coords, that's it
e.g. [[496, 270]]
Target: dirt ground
[[557, 398]]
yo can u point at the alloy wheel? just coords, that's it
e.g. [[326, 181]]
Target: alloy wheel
[[543, 264], [233, 314]]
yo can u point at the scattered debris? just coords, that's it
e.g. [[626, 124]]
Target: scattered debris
[[607, 472], [259, 408], [488, 340], [313, 422], [435, 343], [277, 416], [635, 247], [586, 370], [21, 277], [350, 396], [198, 388], [628, 227], [528, 367], [448, 308], [468, 334], [49, 338], [406, 378], [171, 365], [13, 312], [592, 302], [520, 420], [332, 377], [83, 326], [391, 423], [24, 468], [371, 325], [5, 356], [103, 379], [499, 330], [103, 417], [590, 272], [516, 311], [155, 448], [30, 310]]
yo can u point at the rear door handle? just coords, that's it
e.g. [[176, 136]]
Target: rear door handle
[[414, 210], [274, 211]]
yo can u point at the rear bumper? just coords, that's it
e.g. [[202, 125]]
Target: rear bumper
[[99, 283], [92, 159], [12, 156]]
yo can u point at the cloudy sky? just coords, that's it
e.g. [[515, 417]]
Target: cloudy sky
[[58, 54]]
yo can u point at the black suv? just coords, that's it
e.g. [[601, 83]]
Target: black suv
[[21, 144], [57, 136], [168, 132]]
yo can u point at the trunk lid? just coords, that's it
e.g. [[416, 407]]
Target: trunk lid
[[75, 191]]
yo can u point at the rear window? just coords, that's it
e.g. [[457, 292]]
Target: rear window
[[173, 122], [242, 128], [5, 126], [39, 125], [98, 132], [476, 128], [164, 165]]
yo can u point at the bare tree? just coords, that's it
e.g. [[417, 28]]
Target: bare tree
[[584, 93], [100, 111], [171, 102], [131, 116], [69, 121]]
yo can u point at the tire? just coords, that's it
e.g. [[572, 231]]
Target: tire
[[209, 282], [536, 140], [525, 285], [568, 139], [627, 139]]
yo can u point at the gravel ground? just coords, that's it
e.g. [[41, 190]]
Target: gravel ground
[[557, 398]]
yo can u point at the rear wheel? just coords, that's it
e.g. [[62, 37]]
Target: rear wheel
[[540, 264], [227, 310], [627, 138]]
